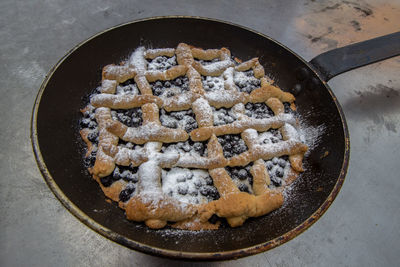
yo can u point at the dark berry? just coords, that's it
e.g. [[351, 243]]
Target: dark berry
[[198, 184], [194, 193], [93, 136], [274, 140], [106, 181], [125, 194], [85, 123], [269, 165], [249, 73], [89, 161], [181, 179], [116, 174], [244, 188], [157, 91], [282, 163], [209, 180], [183, 189], [213, 219], [276, 181], [198, 147], [242, 174], [92, 125], [279, 172], [178, 82], [190, 127], [286, 105], [210, 192]]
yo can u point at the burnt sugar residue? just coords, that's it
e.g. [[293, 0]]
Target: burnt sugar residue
[[379, 104], [345, 22], [356, 25]]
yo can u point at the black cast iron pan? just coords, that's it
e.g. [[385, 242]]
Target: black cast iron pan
[[58, 148]]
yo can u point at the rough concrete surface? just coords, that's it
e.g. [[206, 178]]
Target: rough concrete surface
[[361, 228]]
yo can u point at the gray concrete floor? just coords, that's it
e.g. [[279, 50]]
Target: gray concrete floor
[[360, 229]]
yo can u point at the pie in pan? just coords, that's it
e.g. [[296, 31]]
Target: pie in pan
[[191, 137]]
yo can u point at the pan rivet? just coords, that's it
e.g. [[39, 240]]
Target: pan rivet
[[302, 74], [297, 89]]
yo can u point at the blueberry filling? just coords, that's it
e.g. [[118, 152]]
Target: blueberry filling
[[241, 176], [90, 160], [249, 73], [107, 181], [272, 136], [183, 119], [212, 83], [93, 136], [88, 123], [240, 173], [286, 105], [191, 185], [199, 148], [246, 83], [244, 188], [88, 120], [276, 169], [127, 87], [210, 192], [258, 110], [207, 62], [126, 144], [223, 116], [126, 194], [183, 189], [127, 173], [161, 63], [130, 117], [179, 85], [232, 145], [214, 219], [127, 83]]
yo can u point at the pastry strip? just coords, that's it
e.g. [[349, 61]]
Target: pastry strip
[[153, 53], [118, 73], [123, 101], [237, 127]]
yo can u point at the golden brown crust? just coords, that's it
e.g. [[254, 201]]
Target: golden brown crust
[[170, 74], [237, 207], [261, 179], [104, 164], [157, 211], [118, 73], [153, 53], [149, 204], [208, 54], [236, 127], [265, 92], [123, 102]]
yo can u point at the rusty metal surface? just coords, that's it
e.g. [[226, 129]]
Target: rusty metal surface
[[359, 229]]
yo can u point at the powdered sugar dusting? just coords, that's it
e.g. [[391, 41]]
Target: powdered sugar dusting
[[137, 60], [311, 135], [162, 63], [213, 83], [183, 184]]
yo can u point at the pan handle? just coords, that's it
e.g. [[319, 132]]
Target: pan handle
[[339, 60]]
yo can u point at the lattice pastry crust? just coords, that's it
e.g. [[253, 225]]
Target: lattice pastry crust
[[150, 151]]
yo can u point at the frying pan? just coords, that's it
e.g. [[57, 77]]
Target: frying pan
[[58, 148]]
